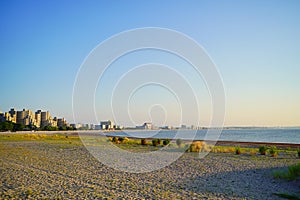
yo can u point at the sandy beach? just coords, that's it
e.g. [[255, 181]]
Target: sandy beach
[[62, 168]]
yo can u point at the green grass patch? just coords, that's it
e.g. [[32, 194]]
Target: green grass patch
[[34, 136], [263, 150], [291, 173], [287, 196], [48, 138], [273, 151]]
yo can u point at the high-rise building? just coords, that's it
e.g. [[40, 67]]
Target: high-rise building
[[26, 117], [20, 116], [61, 122], [2, 118], [38, 118], [13, 115], [45, 119]]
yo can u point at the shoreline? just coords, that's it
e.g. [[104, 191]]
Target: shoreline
[[216, 143], [257, 144]]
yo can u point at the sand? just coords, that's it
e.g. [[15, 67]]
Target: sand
[[65, 170]]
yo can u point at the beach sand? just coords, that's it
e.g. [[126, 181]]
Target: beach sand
[[64, 169]]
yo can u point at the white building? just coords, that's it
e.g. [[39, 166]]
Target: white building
[[107, 125], [146, 126]]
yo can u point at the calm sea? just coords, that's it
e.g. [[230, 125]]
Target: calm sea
[[280, 135]]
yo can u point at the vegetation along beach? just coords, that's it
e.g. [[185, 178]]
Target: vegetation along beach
[[58, 166]]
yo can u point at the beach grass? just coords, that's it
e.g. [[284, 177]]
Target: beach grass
[[65, 141], [33, 136], [133, 144], [287, 196], [291, 173]]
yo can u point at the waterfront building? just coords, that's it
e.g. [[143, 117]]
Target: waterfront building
[[146, 126], [27, 117], [107, 125], [76, 126], [61, 122], [46, 119], [13, 115], [183, 126], [92, 127], [97, 127], [38, 118], [2, 118]]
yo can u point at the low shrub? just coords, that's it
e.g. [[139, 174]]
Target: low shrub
[[198, 146], [273, 151], [166, 142], [114, 139], [121, 139], [143, 142], [179, 142], [155, 142], [126, 139], [263, 150], [298, 150], [237, 150], [187, 147], [158, 141]]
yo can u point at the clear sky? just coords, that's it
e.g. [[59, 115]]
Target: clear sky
[[255, 45]]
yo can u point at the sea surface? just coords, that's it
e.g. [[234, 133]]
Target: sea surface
[[273, 135]]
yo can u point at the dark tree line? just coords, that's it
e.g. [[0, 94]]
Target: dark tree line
[[10, 126]]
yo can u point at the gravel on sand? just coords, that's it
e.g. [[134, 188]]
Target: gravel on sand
[[39, 170]]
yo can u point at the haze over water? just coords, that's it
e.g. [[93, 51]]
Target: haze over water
[[276, 135]]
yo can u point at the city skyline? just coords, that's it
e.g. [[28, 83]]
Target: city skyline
[[11, 116], [254, 44], [27, 117]]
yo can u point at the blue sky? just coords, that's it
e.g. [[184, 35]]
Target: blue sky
[[255, 45]]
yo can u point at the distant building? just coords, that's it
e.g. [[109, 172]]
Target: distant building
[[165, 127], [8, 117], [183, 126], [80, 126], [97, 127], [26, 117], [76, 126], [37, 119], [107, 125], [146, 126], [13, 115], [46, 119], [2, 118], [92, 127], [61, 122]]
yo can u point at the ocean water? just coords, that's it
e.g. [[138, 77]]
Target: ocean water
[[278, 135]]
